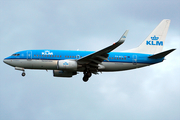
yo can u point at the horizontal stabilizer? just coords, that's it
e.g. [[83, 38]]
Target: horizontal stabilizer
[[161, 55]]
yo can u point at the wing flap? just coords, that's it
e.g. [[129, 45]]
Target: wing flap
[[102, 58], [95, 61]]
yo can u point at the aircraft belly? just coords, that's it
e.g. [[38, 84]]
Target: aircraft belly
[[36, 64], [44, 64], [119, 66]]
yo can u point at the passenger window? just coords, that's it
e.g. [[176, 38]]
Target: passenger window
[[55, 55], [39, 55]]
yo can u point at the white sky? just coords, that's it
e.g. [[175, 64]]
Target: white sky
[[150, 93]]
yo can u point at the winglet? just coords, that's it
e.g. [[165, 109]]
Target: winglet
[[121, 40], [123, 37]]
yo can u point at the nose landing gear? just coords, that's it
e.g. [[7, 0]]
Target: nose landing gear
[[21, 69], [23, 74]]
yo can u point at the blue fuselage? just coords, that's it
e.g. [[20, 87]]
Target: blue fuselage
[[47, 59]]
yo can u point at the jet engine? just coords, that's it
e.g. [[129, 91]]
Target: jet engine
[[63, 73], [67, 65]]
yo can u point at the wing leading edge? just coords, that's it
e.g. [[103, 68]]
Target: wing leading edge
[[96, 58]]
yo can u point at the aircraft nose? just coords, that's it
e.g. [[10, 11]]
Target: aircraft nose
[[7, 61]]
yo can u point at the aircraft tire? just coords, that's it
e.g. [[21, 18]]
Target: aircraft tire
[[85, 78], [23, 74]]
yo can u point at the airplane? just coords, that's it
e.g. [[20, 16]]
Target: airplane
[[66, 63]]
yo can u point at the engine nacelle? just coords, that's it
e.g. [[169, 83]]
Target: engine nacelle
[[63, 73], [67, 65]]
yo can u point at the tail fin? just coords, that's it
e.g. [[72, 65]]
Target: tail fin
[[155, 41]]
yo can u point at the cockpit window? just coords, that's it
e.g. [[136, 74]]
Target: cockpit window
[[15, 54]]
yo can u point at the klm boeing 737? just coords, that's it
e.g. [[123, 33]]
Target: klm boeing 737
[[68, 63]]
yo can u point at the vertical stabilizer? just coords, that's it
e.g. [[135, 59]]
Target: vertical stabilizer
[[155, 41]]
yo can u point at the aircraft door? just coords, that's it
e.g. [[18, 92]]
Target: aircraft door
[[77, 57], [29, 55], [134, 59]]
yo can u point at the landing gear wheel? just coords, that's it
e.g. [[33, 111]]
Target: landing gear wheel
[[23, 74], [85, 78], [87, 75]]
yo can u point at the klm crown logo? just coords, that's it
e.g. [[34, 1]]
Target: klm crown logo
[[154, 41], [65, 64], [123, 36], [154, 38], [47, 53]]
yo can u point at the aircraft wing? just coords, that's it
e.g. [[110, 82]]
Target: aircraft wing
[[96, 58]]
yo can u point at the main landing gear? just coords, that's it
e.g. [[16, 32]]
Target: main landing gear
[[87, 75]]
